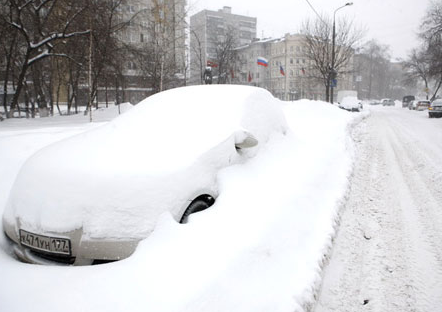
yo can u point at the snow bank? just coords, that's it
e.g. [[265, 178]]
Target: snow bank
[[259, 248]]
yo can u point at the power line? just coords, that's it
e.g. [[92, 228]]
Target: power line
[[319, 16]]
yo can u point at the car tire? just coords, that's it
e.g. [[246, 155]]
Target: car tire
[[198, 204]]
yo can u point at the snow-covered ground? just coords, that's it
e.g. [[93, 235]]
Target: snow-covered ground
[[387, 255], [263, 252]]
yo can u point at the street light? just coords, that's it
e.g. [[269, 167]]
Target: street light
[[332, 74]]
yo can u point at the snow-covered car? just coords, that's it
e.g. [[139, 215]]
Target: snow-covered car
[[407, 99], [374, 102], [435, 109], [412, 105], [351, 103], [422, 105], [387, 102], [92, 197]]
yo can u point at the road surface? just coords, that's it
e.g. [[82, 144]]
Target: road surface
[[387, 254]]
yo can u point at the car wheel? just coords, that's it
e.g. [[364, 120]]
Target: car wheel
[[198, 204]]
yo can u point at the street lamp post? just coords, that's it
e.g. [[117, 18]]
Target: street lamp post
[[332, 74]]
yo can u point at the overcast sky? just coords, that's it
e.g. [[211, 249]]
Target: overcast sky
[[391, 22]]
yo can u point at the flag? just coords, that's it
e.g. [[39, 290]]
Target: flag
[[263, 61], [281, 70], [250, 78], [303, 71], [211, 64]]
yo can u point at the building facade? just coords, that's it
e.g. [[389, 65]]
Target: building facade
[[158, 28], [210, 28], [289, 75]]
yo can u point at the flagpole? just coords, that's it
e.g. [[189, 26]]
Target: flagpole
[[269, 86]]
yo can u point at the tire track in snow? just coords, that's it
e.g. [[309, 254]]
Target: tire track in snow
[[387, 251], [422, 214]]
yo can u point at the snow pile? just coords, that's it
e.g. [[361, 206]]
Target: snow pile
[[259, 248], [150, 159], [351, 103]]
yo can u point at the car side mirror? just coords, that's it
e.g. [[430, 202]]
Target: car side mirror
[[244, 139]]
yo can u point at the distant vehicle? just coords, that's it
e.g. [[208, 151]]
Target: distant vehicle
[[435, 109], [344, 93], [374, 102], [422, 105], [407, 99], [387, 102], [412, 105], [351, 103]]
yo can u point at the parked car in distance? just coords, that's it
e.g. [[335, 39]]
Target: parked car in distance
[[374, 102], [387, 102], [435, 109], [422, 105], [351, 103], [412, 105], [407, 99]]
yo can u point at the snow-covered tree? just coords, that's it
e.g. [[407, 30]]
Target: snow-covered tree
[[39, 24]]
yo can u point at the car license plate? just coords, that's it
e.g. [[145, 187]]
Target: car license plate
[[54, 245]]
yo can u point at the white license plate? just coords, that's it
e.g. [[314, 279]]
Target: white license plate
[[55, 245]]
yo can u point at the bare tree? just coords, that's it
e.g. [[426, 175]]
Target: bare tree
[[418, 67], [39, 24], [431, 36], [197, 53], [372, 64], [318, 43], [8, 51], [226, 54], [157, 57]]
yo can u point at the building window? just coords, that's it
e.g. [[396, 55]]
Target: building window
[[291, 61]]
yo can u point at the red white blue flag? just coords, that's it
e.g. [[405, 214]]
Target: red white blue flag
[[263, 61], [281, 70]]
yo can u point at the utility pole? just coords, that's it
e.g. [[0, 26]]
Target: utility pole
[[333, 74]]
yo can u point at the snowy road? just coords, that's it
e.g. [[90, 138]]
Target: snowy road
[[387, 255]]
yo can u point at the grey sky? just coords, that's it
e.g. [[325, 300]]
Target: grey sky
[[391, 22]]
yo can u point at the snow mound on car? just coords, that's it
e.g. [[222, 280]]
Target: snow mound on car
[[102, 180]]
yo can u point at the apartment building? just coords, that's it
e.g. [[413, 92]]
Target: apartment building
[[208, 28], [157, 26]]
